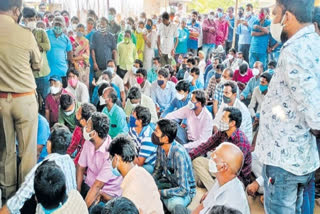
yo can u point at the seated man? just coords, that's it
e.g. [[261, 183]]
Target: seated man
[[163, 91], [153, 72], [213, 82], [232, 61], [138, 185], [57, 147], [135, 98], [82, 116], [53, 99], [242, 75], [228, 132], [225, 163], [195, 82], [42, 137], [78, 89], [182, 98], [55, 199], [173, 170], [199, 120], [130, 79], [182, 69], [95, 159], [140, 132], [230, 99], [67, 111], [120, 205], [142, 81], [118, 122]]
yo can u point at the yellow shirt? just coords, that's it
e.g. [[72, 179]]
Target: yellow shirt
[[19, 55], [127, 53]]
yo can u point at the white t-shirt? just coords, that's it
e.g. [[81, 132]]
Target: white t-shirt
[[167, 35], [118, 82]]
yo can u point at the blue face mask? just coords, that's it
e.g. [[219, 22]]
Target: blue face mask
[[217, 75], [263, 88], [57, 30], [148, 27], [271, 71], [115, 170], [160, 82], [111, 17], [132, 121]]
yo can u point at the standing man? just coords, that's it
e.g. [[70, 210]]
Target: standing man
[[194, 30], [168, 33], [230, 19], [209, 35], [19, 57], [61, 50], [290, 114], [113, 27], [222, 28]]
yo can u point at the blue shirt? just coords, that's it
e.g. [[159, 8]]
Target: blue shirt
[[273, 42], [182, 47], [88, 37], [43, 136], [208, 68], [245, 32], [118, 122], [209, 75], [163, 97], [252, 84], [198, 85], [259, 44], [57, 55], [175, 105], [231, 26], [193, 42]]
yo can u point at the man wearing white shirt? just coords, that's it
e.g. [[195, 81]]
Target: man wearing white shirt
[[167, 34], [230, 99], [116, 79]]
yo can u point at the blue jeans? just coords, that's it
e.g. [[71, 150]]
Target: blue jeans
[[43, 86], [283, 191], [171, 203], [253, 57], [181, 137], [309, 197], [149, 168], [207, 48], [244, 48]]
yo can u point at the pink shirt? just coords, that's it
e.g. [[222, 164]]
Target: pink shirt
[[244, 79], [99, 167], [222, 29]]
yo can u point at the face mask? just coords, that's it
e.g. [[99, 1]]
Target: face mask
[[261, 16], [255, 72], [223, 126], [223, 80], [111, 17], [248, 13], [220, 15], [73, 82], [226, 100], [111, 69], [184, 66], [134, 70], [32, 25], [115, 170], [271, 71], [263, 88], [86, 135], [79, 34], [68, 113], [128, 27], [103, 29], [102, 101], [126, 40], [190, 78], [211, 17], [193, 20], [160, 82], [139, 30], [54, 90], [217, 76], [57, 30], [148, 27], [179, 96], [179, 61], [191, 105], [212, 166], [154, 21], [156, 140], [132, 121], [140, 80], [241, 14], [74, 27], [230, 57], [276, 29]]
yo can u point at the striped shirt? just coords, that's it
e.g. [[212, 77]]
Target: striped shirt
[[144, 145], [26, 190]]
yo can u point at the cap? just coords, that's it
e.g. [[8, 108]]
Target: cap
[[55, 78]]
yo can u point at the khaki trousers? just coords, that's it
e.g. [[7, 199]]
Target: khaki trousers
[[18, 120], [201, 170]]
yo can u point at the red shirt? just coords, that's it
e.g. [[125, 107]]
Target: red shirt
[[244, 79], [77, 142]]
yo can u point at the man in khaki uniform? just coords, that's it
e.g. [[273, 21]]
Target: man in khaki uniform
[[19, 57]]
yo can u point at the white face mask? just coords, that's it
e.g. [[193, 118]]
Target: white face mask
[[255, 72], [179, 96], [32, 25], [102, 101], [223, 80], [134, 70], [276, 29], [74, 26], [54, 90], [223, 126], [211, 17], [230, 57], [111, 69], [190, 78], [86, 135], [212, 166], [68, 113]]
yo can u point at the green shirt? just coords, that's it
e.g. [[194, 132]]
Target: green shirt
[[127, 54], [69, 121], [118, 122], [152, 75], [121, 36]]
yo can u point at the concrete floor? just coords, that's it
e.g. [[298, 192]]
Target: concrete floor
[[256, 206]]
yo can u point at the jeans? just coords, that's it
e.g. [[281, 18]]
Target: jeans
[[207, 48], [181, 135], [309, 197], [43, 86], [171, 203], [283, 191], [149, 168], [253, 57], [244, 48]]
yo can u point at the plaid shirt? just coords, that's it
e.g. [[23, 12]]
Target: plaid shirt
[[77, 142], [218, 94], [211, 88], [239, 139], [177, 168]]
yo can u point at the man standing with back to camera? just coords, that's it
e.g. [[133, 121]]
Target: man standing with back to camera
[[19, 56]]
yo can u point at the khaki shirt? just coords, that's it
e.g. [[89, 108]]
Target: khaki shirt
[[19, 55]]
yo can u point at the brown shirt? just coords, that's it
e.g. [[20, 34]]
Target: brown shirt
[[19, 55]]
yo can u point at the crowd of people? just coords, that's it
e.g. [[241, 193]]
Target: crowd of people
[[132, 114]]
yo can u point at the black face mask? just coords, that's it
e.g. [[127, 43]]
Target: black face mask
[[184, 66], [241, 14], [19, 18], [193, 20], [155, 140], [243, 71]]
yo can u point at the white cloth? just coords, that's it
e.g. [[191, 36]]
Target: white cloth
[[256, 166], [146, 90], [257, 98], [230, 195], [149, 51], [81, 92], [118, 82], [167, 35], [246, 124]]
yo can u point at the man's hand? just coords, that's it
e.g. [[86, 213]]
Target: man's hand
[[173, 51], [4, 210], [204, 197], [252, 188], [256, 27], [95, 67], [215, 130], [159, 51]]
